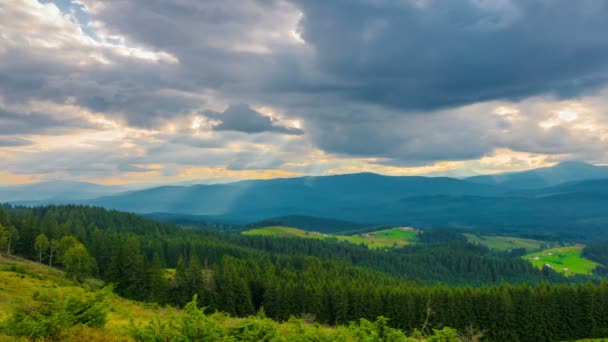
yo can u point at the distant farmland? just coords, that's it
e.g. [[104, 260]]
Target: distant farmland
[[567, 260], [386, 238]]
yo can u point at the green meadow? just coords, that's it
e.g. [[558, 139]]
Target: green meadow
[[568, 260], [386, 238]]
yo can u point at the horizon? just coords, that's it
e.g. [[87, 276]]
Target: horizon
[[133, 94], [142, 186]]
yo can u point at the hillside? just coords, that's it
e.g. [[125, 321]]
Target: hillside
[[544, 177], [22, 282], [568, 260], [328, 196], [310, 223], [55, 192], [351, 202], [21, 279], [419, 286], [386, 238], [506, 243]]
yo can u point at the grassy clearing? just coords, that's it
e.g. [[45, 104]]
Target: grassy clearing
[[392, 237], [568, 260], [505, 243]]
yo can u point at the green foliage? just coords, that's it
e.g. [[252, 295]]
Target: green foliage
[[329, 282], [47, 314], [64, 245], [379, 330], [41, 244], [506, 243], [3, 238], [126, 269], [444, 335], [441, 236], [598, 252], [77, 261], [195, 325]]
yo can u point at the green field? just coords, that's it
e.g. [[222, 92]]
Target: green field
[[563, 259], [392, 237], [505, 243]]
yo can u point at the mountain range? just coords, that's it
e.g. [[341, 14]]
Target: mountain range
[[59, 191], [569, 197]]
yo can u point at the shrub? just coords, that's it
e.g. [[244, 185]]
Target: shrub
[[48, 313]]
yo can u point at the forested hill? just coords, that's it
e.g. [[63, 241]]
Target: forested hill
[[333, 282], [533, 202]]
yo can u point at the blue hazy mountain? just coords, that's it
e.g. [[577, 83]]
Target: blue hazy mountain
[[58, 191], [544, 177], [324, 196], [515, 201]]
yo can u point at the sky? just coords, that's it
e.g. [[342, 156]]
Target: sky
[[190, 91]]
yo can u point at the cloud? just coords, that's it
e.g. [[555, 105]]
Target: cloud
[[105, 88], [414, 55], [12, 122], [13, 141], [242, 118]]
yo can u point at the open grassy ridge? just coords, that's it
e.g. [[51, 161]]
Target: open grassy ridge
[[568, 260], [505, 243], [386, 238]]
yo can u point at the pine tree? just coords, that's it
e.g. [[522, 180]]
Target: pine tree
[[126, 269], [156, 284]]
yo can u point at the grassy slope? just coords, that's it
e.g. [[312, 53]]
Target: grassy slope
[[561, 258], [505, 243], [30, 277], [33, 277], [380, 239]]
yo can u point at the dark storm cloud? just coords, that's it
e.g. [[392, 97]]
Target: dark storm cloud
[[242, 118], [421, 55]]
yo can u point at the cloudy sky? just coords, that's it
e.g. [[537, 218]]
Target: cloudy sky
[[159, 91]]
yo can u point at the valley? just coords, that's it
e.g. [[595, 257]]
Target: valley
[[322, 262]]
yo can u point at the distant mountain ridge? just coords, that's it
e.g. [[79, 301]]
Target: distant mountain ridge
[[59, 191], [544, 177], [321, 196], [514, 201]]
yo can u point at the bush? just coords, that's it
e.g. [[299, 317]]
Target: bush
[[194, 325], [48, 313]]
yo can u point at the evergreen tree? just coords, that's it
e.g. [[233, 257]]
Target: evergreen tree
[[156, 284], [126, 269]]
